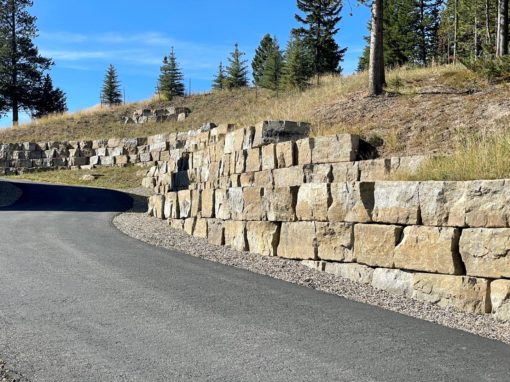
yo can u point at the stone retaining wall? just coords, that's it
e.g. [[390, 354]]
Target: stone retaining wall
[[311, 200]]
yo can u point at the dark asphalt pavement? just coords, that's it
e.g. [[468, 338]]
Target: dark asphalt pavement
[[80, 301]]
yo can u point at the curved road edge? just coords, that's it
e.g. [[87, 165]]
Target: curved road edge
[[9, 194]]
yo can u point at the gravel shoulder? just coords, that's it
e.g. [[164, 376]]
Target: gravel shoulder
[[9, 194], [157, 232]]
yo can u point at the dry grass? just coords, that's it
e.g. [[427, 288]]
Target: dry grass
[[425, 110], [107, 177]]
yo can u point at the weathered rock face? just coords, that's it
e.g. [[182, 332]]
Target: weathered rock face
[[374, 170], [468, 294], [351, 271], [396, 203], [429, 249], [439, 201], [184, 198], [236, 202], [215, 232], [288, 177], [235, 235], [207, 203], [351, 202], [263, 237], [313, 202], [285, 154], [171, 208], [338, 148], [375, 244], [189, 226], [335, 241], [156, 206], [281, 203], [200, 228], [394, 281], [279, 131], [254, 208], [486, 252], [500, 299], [221, 205], [298, 241]]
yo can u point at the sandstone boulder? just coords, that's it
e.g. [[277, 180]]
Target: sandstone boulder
[[235, 235], [215, 232], [221, 204], [375, 244], [393, 281], [207, 203], [351, 202], [263, 237], [335, 148], [200, 228], [285, 154], [396, 203], [171, 208], [184, 198], [298, 241], [288, 177], [280, 203], [500, 299], [313, 202], [351, 271], [335, 241], [269, 157], [254, 208]]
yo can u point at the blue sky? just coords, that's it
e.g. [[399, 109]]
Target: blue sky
[[85, 36]]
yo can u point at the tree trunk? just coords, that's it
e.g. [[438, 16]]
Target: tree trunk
[[502, 36], [376, 68], [487, 23], [14, 63], [455, 30]]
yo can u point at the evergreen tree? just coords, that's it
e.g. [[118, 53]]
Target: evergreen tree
[[110, 93], [171, 79], [219, 82], [21, 66], [298, 66], [262, 53], [322, 17], [272, 74], [237, 71], [50, 99]]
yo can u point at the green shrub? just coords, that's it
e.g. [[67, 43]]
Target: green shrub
[[493, 70]]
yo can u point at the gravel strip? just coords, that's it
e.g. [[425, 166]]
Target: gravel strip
[[9, 194], [157, 232], [7, 375]]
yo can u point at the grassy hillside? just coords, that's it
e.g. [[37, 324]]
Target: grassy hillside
[[430, 110]]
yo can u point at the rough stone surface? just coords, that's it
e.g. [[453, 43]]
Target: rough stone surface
[[393, 281], [500, 299], [236, 203], [156, 206], [396, 203], [429, 249], [235, 235], [486, 252], [254, 208], [304, 151], [350, 271], [375, 244], [335, 241], [285, 154], [269, 157], [345, 172], [374, 170], [279, 131], [221, 204], [281, 203], [468, 294], [298, 241], [440, 203], [200, 228], [184, 197], [351, 202], [336, 148], [215, 232], [263, 237], [313, 202], [189, 226], [253, 160], [207, 203], [288, 177], [171, 209]]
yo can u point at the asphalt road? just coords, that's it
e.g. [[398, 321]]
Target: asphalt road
[[80, 301]]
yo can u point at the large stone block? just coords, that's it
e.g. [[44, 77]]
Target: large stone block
[[441, 203], [288, 177], [500, 299], [335, 241], [396, 203], [335, 148], [171, 209], [486, 252], [298, 241], [254, 208], [156, 206], [468, 294], [269, 157], [263, 237], [351, 271], [221, 204], [429, 249], [268, 132], [253, 160], [189, 226], [394, 281], [263, 179], [184, 198], [313, 202], [285, 154], [234, 141], [240, 164], [236, 203], [207, 203], [304, 151], [375, 244], [215, 232], [196, 203], [351, 202], [281, 203], [374, 170], [200, 228], [345, 172], [235, 235], [318, 173]]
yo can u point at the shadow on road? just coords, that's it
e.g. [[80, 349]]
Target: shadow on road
[[47, 197]]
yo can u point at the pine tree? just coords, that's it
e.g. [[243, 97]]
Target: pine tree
[[298, 66], [219, 82], [171, 79], [50, 99], [272, 74], [21, 66], [322, 17], [237, 71], [262, 53], [110, 93]]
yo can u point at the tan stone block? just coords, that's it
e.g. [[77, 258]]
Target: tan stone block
[[215, 232], [288, 177], [335, 148], [236, 203], [500, 299], [281, 203], [393, 281], [318, 173], [263, 237], [221, 205], [335, 241], [224, 169], [246, 179], [235, 234], [441, 203], [240, 165], [351, 202], [156, 206], [234, 180], [263, 179], [375, 244], [298, 241], [313, 202], [486, 252], [176, 224], [285, 154], [468, 294], [304, 151], [374, 170], [189, 225], [200, 228], [234, 141], [171, 208], [207, 203], [269, 157], [351, 271], [253, 160], [254, 207], [184, 198], [196, 203], [396, 203]]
